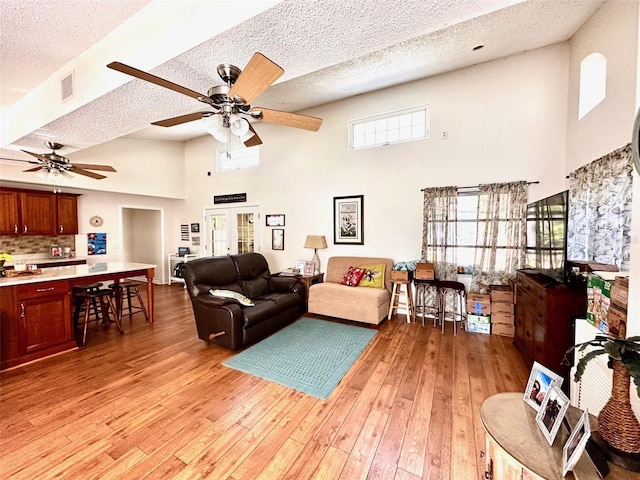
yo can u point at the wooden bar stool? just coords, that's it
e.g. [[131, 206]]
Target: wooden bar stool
[[103, 297], [128, 290], [80, 306], [458, 294], [396, 301], [427, 300]]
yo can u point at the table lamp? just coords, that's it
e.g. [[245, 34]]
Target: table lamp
[[315, 242]]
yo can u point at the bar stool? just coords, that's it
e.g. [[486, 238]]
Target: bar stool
[[94, 296], [458, 294], [396, 293], [427, 299], [128, 290], [80, 304]]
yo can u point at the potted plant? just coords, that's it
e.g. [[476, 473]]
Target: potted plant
[[617, 423]]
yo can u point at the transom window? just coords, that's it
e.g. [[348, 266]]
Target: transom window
[[593, 83], [392, 127], [237, 157]]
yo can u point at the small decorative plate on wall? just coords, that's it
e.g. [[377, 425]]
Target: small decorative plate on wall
[[96, 221]]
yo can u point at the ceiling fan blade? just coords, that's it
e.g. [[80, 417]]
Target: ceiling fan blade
[[170, 122], [290, 119], [104, 168], [134, 72], [34, 169], [257, 76], [87, 173], [37, 155], [19, 160], [254, 140]]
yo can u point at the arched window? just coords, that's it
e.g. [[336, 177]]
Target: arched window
[[593, 82]]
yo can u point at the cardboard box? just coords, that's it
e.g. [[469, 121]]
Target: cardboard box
[[617, 322], [598, 301], [500, 307], [620, 293], [506, 318], [503, 329], [425, 271], [479, 323], [501, 293], [479, 303], [401, 275]]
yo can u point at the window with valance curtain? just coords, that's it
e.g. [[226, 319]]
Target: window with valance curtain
[[600, 195]]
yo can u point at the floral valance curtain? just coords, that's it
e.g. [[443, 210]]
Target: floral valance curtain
[[600, 210], [440, 215], [500, 238]]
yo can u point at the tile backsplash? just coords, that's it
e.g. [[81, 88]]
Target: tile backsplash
[[34, 244]]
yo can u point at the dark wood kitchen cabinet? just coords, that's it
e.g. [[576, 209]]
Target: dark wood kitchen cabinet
[[36, 321], [545, 312], [35, 212]]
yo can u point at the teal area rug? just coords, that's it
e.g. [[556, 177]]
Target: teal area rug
[[310, 355]]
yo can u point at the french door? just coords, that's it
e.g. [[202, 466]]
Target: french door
[[232, 230]]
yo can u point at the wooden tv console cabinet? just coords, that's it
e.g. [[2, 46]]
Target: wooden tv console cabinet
[[544, 320]]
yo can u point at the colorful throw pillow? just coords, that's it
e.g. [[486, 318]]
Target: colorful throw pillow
[[373, 276], [238, 297], [352, 277]]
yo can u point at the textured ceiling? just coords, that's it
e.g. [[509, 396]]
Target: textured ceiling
[[329, 49]]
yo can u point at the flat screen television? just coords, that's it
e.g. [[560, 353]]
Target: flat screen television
[[547, 235]]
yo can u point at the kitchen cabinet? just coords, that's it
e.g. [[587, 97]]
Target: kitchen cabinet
[[544, 319], [67, 210], [35, 321], [9, 212], [35, 212]]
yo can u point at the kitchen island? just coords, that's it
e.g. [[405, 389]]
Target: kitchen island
[[36, 317]]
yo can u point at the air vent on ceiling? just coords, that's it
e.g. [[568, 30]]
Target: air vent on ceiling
[[66, 85]]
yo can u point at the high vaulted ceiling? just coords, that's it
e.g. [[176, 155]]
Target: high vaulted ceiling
[[329, 50]]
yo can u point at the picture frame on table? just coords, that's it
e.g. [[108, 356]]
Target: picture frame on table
[[576, 443], [552, 411], [274, 220], [348, 220], [277, 239], [540, 379], [308, 269]]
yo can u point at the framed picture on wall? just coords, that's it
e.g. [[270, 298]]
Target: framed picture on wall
[[275, 220], [348, 220], [277, 239]]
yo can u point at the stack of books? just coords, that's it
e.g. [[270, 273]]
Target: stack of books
[[290, 272]]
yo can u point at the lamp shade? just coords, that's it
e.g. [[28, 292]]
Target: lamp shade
[[315, 241]]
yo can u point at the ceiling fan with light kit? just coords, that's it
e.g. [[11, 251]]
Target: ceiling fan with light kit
[[53, 165], [230, 111]]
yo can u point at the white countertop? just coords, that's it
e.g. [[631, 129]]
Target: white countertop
[[74, 271]]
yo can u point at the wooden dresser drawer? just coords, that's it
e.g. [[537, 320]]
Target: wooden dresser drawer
[[37, 290]]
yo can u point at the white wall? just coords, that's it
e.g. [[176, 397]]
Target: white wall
[[506, 120], [613, 32]]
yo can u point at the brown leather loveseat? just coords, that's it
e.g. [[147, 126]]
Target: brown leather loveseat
[[277, 301]]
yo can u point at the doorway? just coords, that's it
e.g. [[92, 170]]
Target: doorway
[[231, 230], [142, 238]]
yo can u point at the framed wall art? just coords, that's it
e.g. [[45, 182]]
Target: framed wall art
[[275, 220], [348, 220], [277, 239]]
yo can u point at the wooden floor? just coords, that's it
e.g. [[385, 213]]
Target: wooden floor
[[157, 403]]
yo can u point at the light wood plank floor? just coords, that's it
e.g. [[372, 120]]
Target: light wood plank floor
[[157, 403]]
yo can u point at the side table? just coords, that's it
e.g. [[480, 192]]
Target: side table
[[307, 281], [516, 448]]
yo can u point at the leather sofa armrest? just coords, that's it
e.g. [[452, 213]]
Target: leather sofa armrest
[[285, 284], [219, 320]]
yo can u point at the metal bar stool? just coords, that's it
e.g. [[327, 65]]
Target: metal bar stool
[[427, 299], [80, 304], [396, 292], [458, 294], [128, 290], [105, 298]]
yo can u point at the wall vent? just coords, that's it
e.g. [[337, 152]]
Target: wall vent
[[67, 87]]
